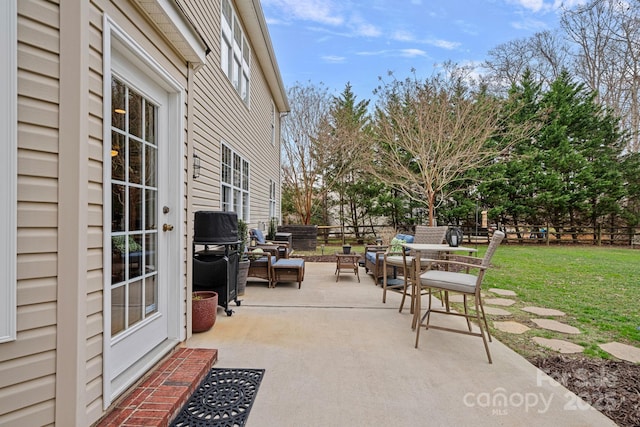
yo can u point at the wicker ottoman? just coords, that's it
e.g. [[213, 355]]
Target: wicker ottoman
[[288, 270]]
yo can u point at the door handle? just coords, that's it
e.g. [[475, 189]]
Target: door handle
[[167, 227]]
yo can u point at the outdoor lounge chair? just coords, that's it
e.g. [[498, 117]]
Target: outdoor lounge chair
[[261, 261], [257, 236], [461, 282], [374, 257]]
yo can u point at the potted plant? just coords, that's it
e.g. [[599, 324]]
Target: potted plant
[[243, 263], [273, 228], [346, 248], [204, 308]]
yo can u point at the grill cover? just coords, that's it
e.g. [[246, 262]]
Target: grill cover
[[215, 227]]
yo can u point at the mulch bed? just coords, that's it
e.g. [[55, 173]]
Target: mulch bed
[[611, 387]]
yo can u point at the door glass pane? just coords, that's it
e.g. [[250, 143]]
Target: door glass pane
[[135, 114], [136, 256], [118, 253], [135, 161], [150, 123], [134, 209], [118, 152], [151, 206], [118, 102], [151, 252], [150, 295], [150, 164], [135, 303], [117, 310], [118, 201]]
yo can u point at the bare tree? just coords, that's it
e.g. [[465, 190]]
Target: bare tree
[[429, 133], [606, 35], [302, 155], [544, 54]]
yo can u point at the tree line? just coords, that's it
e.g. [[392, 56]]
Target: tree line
[[546, 137]]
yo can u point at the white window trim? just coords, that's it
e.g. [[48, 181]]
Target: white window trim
[[243, 208], [114, 34], [9, 168]]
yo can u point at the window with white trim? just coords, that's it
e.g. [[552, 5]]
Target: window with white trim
[[8, 168], [235, 53], [234, 183], [272, 199]]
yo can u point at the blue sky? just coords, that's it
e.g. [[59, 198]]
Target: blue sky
[[338, 41]]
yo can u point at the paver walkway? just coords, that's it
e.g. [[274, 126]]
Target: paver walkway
[[618, 350]]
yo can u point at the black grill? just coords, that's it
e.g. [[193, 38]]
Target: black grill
[[215, 264]]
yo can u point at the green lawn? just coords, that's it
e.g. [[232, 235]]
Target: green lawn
[[598, 289]]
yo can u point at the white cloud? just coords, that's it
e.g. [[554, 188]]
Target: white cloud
[[320, 11], [362, 27], [372, 52], [444, 44], [534, 5], [334, 59], [557, 4], [406, 53], [543, 6], [412, 53], [529, 25], [466, 27], [402, 36]]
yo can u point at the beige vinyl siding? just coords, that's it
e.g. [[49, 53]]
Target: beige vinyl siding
[[27, 365], [222, 116], [129, 18], [94, 309]]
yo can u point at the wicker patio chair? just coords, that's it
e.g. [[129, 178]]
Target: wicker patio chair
[[465, 283]]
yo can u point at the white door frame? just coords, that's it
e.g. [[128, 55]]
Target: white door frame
[[116, 39]]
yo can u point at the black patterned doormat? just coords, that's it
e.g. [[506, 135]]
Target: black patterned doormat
[[223, 399]]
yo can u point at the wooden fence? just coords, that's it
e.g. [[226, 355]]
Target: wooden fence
[[523, 234]]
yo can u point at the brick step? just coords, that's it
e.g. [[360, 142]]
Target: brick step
[[157, 400]]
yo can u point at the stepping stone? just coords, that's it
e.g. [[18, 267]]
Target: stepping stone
[[511, 327], [560, 346], [622, 351], [554, 325], [503, 292], [505, 302], [543, 311], [496, 311]]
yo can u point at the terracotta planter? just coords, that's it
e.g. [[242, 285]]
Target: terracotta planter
[[204, 308]]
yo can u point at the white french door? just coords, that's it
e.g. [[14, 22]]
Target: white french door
[[138, 281], [143, 253]]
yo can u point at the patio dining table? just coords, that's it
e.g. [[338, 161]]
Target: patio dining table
[[419, 249]]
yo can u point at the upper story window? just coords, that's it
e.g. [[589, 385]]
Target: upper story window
[[235, 52], [234, 183]]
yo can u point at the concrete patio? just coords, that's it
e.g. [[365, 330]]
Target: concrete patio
[[335, 355]]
